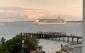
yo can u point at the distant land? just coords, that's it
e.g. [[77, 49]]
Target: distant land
[[74, 21], [33, 21]]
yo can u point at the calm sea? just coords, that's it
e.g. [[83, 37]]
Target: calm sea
[[10, 29]]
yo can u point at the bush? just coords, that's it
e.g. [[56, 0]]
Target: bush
[[14, 45]]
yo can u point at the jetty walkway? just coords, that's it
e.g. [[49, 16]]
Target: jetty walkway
[[55, 35]]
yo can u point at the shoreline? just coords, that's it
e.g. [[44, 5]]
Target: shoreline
[[50, 46]]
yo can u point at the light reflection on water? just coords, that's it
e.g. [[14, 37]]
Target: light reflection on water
[[50, 46]]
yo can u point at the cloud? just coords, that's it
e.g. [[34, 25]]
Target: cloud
[[17, 13], [65, 7], [35, 13], [22, 14]]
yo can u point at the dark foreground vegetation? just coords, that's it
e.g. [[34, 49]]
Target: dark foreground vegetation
[[18, 44]]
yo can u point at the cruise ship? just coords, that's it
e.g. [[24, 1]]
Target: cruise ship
[[50, 21]]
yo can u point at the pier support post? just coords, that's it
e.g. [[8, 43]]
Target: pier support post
[[43, 36], [67, 39], [63, 38], [77, 40], [40, 36], [59, 38], [72, 39]]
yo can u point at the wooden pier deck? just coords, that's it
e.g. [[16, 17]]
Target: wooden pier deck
[[52, 35]]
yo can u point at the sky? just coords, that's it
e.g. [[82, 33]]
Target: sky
[[58, 7]]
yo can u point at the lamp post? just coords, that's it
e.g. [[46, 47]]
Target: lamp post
[[22, 42], [22, 46]]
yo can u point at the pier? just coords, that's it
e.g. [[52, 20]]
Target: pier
[[60, 36]]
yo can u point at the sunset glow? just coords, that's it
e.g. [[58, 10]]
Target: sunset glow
[[35, 9], [35, 14]]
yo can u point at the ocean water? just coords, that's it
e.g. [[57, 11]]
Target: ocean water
[[10, 29], [50, 46]]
